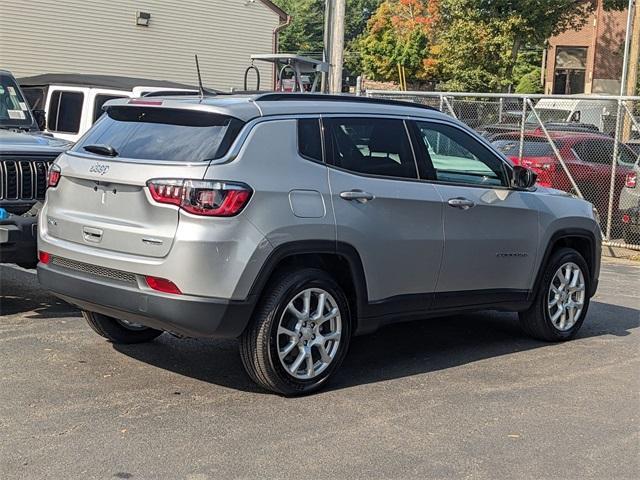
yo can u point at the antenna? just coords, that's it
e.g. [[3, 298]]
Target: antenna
[[200, 87]]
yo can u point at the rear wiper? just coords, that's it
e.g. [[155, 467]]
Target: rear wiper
[[106, 150]]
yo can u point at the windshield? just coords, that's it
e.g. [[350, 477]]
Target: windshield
[[162, 134], [549, 115], [14, 111]]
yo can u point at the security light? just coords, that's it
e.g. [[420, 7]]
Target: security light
[[143, 19]]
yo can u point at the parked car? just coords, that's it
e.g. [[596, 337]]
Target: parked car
[[295, 221], [492, 131], [73, 102], [588, 158], [586, 111], [25, 156], [629, 206]]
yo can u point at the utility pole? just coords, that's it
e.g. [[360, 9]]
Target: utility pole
[[326, 44], [634, 53], [630, 65], [336, 55], [627, 41]]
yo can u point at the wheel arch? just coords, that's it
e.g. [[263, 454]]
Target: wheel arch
[[581, 240], [340, 260]]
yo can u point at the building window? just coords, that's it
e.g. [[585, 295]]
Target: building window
[[569, 71]]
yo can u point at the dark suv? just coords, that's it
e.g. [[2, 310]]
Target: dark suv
[[25, 156]]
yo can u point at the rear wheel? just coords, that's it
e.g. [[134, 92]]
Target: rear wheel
[[299, 334], [119, 331], [562, 299]]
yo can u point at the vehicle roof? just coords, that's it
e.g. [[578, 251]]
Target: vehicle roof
[[90, 80], [249, 106], [555, 134]]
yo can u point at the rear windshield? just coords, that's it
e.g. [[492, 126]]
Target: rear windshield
[[151, 133], [532, 148]]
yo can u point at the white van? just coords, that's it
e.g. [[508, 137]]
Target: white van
[[73, 102], [592, 111]]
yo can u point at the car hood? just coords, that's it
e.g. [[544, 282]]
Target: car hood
[[25, 142]]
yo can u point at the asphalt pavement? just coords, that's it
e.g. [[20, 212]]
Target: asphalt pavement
[[467, 396]]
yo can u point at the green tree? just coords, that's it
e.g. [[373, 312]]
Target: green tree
[[484, 38], [398, 33], [305, 34]]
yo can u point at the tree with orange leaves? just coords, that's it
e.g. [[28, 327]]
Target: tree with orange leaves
[[400, 32]]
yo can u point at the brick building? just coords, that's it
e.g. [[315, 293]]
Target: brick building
[[588, 60]]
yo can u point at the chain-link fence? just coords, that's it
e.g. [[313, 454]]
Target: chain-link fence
[[588, 145]]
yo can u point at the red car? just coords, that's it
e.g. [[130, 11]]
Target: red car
[[587, 156]]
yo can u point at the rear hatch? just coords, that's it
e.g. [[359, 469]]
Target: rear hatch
[[102, 199]]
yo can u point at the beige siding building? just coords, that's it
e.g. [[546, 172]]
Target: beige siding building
[[105, 37]]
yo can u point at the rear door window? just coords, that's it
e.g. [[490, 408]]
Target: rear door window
[[155, 133], [372, 146], [598, 151], [65, 111]]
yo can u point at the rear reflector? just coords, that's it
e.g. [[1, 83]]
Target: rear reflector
[[626, 218], [44, 257], [201, 197], [631, 180], [162, 285]]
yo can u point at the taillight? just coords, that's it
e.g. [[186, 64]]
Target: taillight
[[53, 177], [44, 257], [626, 218], [162, 285], [201, 197], [631, 180]]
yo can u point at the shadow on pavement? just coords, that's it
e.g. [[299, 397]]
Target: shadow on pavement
[[20, 292], [395, 351]]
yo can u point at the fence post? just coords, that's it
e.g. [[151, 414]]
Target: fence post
[[441, 101], [501, 108], [522, 122], [614, 164], [449, 107]]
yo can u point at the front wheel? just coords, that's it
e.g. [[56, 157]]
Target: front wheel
[[562, 299], [299, 333]]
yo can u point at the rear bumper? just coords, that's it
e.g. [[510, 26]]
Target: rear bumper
[[185, 315], [18, 240]]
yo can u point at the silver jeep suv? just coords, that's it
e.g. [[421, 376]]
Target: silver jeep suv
[[295, 221]]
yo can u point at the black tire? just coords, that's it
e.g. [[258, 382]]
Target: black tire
[[116, 331], [629, 237], [536, 321], [258, 344]]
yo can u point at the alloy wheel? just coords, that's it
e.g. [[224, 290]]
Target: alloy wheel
[[566, 297], [308, 335]]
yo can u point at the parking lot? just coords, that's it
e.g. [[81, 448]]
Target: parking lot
[[459, 397]]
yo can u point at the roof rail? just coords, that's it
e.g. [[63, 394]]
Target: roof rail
[[315, 97]]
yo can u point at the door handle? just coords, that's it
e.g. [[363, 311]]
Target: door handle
[[461, 203], [357, 195]]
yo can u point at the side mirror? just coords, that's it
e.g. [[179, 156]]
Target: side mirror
[[523, 178], [40, 118]]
